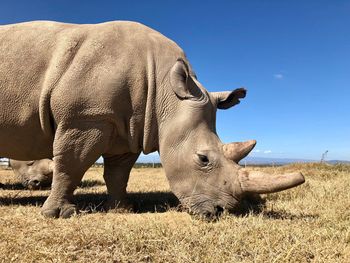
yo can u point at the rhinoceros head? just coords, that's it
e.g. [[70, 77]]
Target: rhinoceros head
[[33, 174], [202, 171]]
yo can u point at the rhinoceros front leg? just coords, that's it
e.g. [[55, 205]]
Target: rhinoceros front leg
[[116, 174], [76, 147]]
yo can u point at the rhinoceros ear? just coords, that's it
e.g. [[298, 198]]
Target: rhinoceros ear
[[181, 83], [227, 99]]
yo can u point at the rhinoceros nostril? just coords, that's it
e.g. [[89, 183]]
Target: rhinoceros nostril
[[34, 182], [218, 211]]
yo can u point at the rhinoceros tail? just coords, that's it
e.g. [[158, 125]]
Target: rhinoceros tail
[[45, 115]]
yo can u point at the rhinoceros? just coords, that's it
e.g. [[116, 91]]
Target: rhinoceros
[[33, 174], [76, 92]]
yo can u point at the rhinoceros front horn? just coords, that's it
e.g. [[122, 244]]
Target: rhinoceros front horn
[[236, 151], [263, 183]]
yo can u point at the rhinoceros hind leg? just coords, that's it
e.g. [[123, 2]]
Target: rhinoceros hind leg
[[75, 150], [116, 174]]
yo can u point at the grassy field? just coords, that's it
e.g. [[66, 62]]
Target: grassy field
[[310, 223]]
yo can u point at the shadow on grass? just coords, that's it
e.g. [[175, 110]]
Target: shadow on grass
[[12, 186], [19, 186], [256, 205], [250, 204], [287, 216], [149, 202], [152, 202], [90, 183]]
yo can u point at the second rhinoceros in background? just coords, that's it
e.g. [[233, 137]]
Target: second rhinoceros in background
[[116, 89], [33, 174]]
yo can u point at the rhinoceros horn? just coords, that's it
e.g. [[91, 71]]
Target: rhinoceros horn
[[259, 182], [236, 151], [263, 183]]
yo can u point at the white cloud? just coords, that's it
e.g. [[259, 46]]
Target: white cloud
[[268, 151], [278, 76], [256, 151]]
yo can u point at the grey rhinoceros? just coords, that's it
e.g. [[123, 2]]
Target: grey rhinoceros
[[76, 92], [33, 174]]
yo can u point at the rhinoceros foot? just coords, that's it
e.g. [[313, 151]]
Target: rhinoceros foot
[[53, 209]]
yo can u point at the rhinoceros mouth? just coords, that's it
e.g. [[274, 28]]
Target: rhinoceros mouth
[[209, 208], [218, 211], [25, 183], [36, 184], [213, 213]]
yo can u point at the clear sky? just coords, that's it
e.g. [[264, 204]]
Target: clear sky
[[292, 56]]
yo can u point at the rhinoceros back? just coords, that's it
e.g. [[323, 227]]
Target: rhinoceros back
[[50, 71]]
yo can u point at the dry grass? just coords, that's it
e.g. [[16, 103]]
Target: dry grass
[[310, 223]]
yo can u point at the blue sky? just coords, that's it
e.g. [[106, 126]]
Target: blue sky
[[293, 57]]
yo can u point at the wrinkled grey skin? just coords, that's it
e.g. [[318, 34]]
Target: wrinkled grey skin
[[75, 92], [33, 174]]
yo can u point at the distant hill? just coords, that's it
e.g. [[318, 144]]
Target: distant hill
[[282, 161], [154, 158], [273, 161], [149, 158], [338, 161]]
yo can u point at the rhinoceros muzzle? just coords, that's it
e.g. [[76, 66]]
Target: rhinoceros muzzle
[[36, 184], [212, 202], [206, 208], [210, 206], [248, 183]]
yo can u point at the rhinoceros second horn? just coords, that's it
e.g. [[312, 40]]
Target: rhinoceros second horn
[[236, 151]]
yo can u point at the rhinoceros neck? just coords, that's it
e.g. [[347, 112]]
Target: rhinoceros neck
[[150, 128], [157, 106], [148, 103]]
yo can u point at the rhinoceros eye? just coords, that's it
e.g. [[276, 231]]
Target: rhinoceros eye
[[203, 158], [29, 163]]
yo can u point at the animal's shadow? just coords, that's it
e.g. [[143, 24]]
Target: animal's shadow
[[142, 202], [256, 205], [250, 204], [145, 202], [283, 215], [12, 186], [150, 202], [19, 186]]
